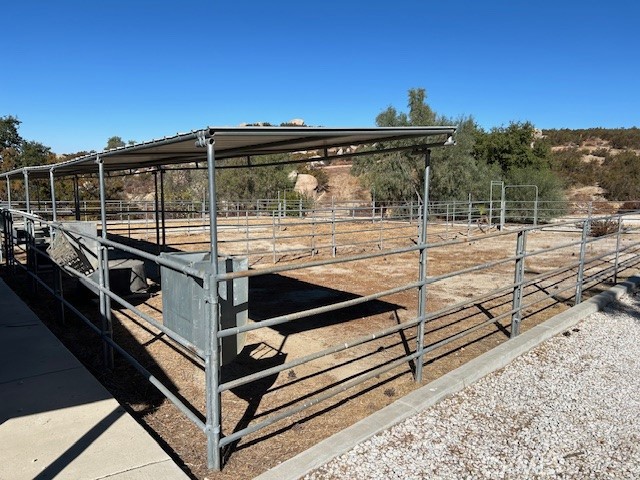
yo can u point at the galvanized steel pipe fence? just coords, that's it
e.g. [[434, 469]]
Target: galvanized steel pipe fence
[[533, 276], [277, 229]]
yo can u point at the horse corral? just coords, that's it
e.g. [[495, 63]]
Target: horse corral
[[345, 314]]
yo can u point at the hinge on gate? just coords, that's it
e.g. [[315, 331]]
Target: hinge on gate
[[201, 138]]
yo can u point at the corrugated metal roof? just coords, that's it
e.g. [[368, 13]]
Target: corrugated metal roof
[[231, 142]]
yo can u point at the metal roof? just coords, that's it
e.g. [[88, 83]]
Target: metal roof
[[233, 142]]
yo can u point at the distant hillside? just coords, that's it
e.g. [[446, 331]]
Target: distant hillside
[[620, 138], [597, 163]]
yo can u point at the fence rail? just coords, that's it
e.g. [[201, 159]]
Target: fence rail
[[508, 279]]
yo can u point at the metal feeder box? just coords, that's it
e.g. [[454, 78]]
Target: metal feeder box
[[184, 300]]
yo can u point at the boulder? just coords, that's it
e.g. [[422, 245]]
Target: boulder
[[306, 185]]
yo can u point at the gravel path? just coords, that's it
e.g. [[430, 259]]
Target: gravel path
[[570, 408]]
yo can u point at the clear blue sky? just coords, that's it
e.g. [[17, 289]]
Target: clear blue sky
[[78, 72]]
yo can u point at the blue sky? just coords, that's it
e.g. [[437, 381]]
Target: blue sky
[[78, 72]]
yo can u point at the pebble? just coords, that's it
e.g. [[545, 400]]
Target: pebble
[[570, 408]]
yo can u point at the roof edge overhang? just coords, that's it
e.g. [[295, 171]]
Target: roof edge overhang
[[235, 142]]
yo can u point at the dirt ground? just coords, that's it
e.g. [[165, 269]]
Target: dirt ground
[[283, 293]]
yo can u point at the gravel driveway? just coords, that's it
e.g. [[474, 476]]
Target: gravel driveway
[[570, 408]]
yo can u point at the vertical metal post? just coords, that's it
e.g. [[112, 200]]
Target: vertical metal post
[[156, 214], [27, 200], [583, 247], [518, 279], [422, 289], [8, 192], [313, 231], [469, 218], [617, 260], [334, 247], [373, 205], [535, 209], [28, 222], [76, 197], [54, 213], [273, 217], [103, 262], [162, 209], [212, 348], [57, 272], [446, 225], [490, 204], [380, 239], [246, 224], [503, 206]]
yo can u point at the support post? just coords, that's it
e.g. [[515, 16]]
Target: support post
[[334, 247], [8, 192], [617, 260], [273, 238], [27, 200], [469, 206], [535, 209], [54, 213], [583, 247], [29, 227], [103, 264], [518, 279], [422, 289], [246, 231], [212, 348], [76, 197], [156, 215], [162, 209], [446, 225], [503, 207], [57, 271]]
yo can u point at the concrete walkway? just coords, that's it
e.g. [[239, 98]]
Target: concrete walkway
[[56, 419]]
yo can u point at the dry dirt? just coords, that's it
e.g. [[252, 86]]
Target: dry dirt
[[279, 294]]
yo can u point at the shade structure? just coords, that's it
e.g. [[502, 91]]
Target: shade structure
[[233, 142]]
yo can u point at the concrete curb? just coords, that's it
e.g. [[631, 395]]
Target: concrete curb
[[443, 387]]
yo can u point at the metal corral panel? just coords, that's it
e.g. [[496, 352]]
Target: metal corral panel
[[184, 300]]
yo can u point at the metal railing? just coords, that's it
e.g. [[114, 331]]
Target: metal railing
[[527, 276]]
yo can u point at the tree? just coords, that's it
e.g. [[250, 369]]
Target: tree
[[114, 142], [9, 136], [34, 153], [10, 142], [256, 182], [399, 176], [512, 147]]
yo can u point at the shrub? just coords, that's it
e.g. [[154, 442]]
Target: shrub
[[600, 228]]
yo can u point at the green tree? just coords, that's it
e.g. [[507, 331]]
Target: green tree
[[114, 142], [10, 142], [512, 147], [34, 153], [520, 201], [400, 176], [256, 182]]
